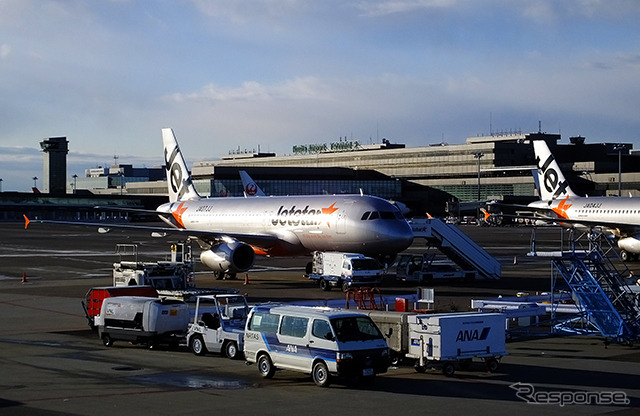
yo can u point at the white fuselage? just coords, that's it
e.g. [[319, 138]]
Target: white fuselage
[[609, 212], [301, 224]]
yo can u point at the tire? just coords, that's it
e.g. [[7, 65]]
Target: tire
[[265, 366], [231, 350], [107, 341], [320, 374], [395, 358], [197, 346], [492, 364], [625, 256], [448, 369], [324, 285], [345, 286], [419, 368]]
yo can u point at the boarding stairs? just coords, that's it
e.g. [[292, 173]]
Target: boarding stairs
[[457, 246], [608, 304]]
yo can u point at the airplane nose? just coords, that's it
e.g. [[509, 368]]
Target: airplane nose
[[399, 237]]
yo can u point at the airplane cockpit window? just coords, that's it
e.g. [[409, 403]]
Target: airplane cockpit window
[[374, 215], [387, 215], [365, 216]]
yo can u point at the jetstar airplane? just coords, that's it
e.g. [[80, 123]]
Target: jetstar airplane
[[619, 216], [232, 230]]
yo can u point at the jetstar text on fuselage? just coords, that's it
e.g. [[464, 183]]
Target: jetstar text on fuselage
[[296, 216]]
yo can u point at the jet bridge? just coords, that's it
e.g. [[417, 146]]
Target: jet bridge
[[457, 246]]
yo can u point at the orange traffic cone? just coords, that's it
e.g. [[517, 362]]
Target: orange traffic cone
[[24, 277], [246, 278]]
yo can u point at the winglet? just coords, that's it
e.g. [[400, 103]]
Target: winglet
[[26, 221]]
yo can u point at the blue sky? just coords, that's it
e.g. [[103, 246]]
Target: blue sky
[[243, 74]]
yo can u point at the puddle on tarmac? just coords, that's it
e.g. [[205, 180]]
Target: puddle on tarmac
[[191, 381]]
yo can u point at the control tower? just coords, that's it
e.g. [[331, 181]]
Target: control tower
[[55, 165]]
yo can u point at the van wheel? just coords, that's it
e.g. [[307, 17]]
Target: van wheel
[[320, 374], [324, 285], [196, 344], [231, 350], [107, 341], [265, 366]]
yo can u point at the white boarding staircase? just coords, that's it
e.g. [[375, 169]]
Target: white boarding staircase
[[457, 246]]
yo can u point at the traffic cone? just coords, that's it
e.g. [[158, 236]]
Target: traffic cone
[[24, 277], [246, 278]]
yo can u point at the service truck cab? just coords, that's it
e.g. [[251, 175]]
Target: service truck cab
[[218, 325], [343, 270], [320, 341]]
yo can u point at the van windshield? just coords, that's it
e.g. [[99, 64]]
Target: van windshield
[[355, 328]]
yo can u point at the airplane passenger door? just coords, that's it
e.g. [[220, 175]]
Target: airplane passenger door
[[341, 223]]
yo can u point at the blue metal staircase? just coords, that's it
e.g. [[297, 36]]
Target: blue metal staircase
[[602, 293]]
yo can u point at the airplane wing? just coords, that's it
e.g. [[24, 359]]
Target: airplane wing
[[260, 240]]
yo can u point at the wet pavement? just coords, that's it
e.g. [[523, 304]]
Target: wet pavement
[[51, 363]]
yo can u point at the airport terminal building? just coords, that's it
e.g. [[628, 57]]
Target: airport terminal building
[[438, 179], [483, 168]]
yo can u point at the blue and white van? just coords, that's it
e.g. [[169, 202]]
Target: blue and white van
[[320, 341]]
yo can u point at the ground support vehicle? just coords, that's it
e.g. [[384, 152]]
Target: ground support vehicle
[[343, 270], [320, 341], [443, 340], [422, 269], [173, 279], [395, 328], [218, 325], [143, 320], [92, 303]]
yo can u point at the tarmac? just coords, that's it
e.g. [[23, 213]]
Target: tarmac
[[51, 363]]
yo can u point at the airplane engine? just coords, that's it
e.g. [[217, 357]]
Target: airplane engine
[[629, 247], [234, 257]]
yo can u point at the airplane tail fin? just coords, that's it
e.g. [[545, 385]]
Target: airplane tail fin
[[551, 181], [178, 177], [249, 186]]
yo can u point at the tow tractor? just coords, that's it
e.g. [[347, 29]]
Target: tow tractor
[[218, 325]]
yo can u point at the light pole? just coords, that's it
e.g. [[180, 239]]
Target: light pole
[[0, 184], [35, 182], [478, 155], [619, 148], [75, 179]]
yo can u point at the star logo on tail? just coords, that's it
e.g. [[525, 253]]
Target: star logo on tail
[[177, 214], [561, 209]]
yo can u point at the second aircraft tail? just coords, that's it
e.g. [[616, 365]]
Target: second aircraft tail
[[551, 181]]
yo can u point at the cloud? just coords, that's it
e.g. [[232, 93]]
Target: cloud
[[303, 88], [382, 8], [5, 51]]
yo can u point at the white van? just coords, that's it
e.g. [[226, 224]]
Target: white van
[[320, 341]]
